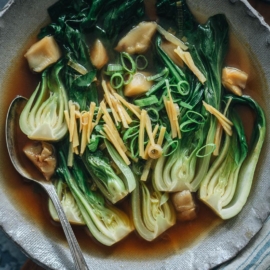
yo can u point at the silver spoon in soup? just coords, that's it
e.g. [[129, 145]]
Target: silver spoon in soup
[[46, 163]]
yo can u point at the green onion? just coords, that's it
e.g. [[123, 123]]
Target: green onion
[[155, 87], [129, 78], [183, 88], [162, 75], [134, 146], [173, 144], [143, 102], [94, 142], [202, 120], [131, 62], [187, 126], [78, 67], [141, 58], [185, 105], [211, 147], [153, 114], [131, 132], [114, 68], [117, 80]]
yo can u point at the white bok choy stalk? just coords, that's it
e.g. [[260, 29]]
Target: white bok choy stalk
[[107, 223], [152, 211], [228, 182], [68, 203], [177, 172], [43, 115], [187, 166], [114, 187]]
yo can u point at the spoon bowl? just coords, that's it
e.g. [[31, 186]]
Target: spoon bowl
[[29, 172]]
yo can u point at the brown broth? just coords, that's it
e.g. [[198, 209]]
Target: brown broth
[[33, 202]]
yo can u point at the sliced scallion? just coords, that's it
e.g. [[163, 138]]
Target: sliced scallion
[[114, 68], [155, 87], [208, 149], [127, 59], [143, 102], [141, 62], [173, 144], [196, 115], [183, 88], [163, 74], [117, 80]]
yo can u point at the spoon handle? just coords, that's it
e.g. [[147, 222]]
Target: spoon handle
[[76, 252]]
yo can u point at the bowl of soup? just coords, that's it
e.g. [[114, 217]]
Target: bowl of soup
[[158, 114]]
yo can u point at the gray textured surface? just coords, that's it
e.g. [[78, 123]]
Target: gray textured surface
[[11, 256], [220, 243]]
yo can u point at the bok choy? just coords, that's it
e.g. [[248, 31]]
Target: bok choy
[[226, 186], [152, 211], [186, 167], [43, 116], [68, 203], [114, 187], [106, 223]]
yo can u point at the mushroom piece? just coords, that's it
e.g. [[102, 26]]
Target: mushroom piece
[[98, 55], [138, 85], [42, 54], [138, 39], [42, 154], [234, 80], [184, 204]]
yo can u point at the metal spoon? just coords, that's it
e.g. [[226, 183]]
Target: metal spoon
[[12, 128]]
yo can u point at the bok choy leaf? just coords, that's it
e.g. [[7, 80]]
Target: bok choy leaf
[[43, 116], [68, 203], [114, 187], [186, 168], [152, 211], [226, 186], [107, 223]]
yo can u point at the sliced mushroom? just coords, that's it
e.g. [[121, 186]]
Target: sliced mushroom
[[42, 54], [98, 55], [234, 80], [138, 85], [138, 39], [184, 204], [42, 154]]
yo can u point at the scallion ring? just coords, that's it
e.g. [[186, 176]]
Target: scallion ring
[[134, 146], [117, 80], [129, 77], [173, 144], [198, 115], [204, 149], [130, 61], [188, 126], [183, 88], [141, 58], [153, 114]]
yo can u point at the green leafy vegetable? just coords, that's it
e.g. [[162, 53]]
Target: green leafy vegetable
[[68, 203], [226, 186], [152, 211], [114, 187], [184, 169], [106, 223], [43, 116]]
